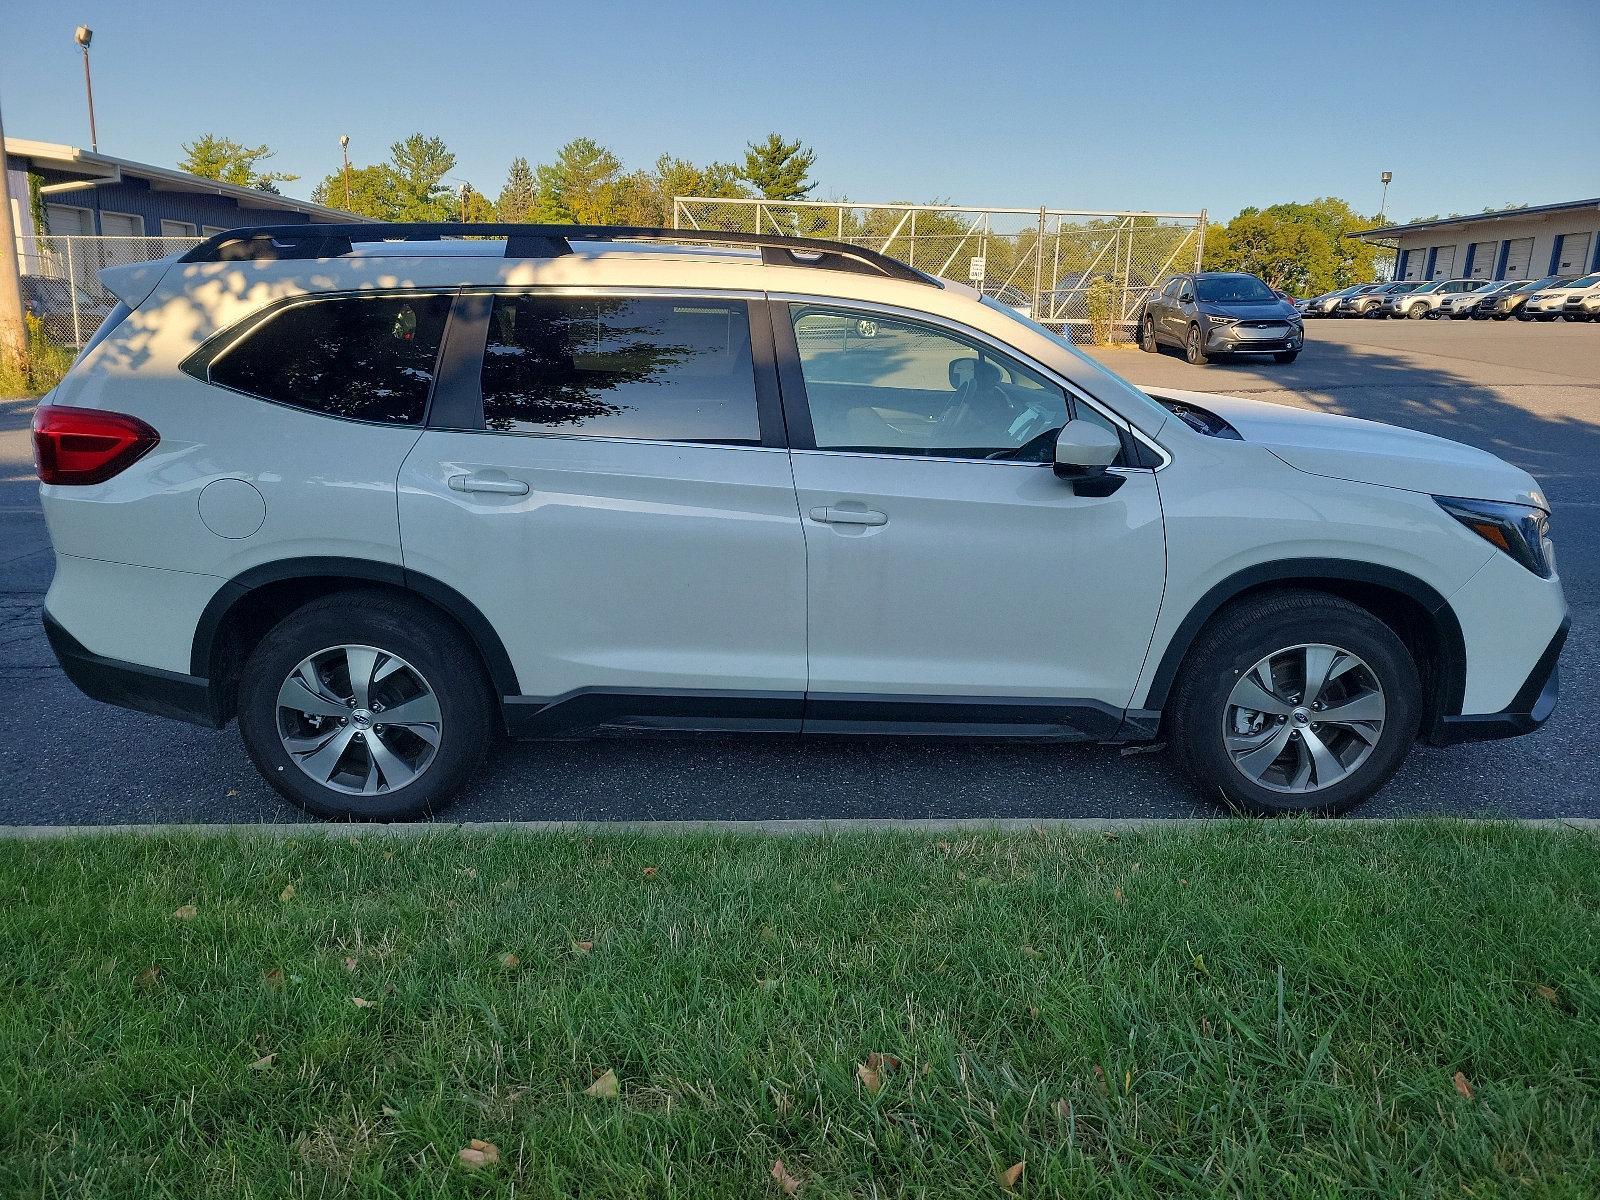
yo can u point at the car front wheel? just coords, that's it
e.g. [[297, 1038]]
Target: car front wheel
[[1296, 702], [1194, 349], [365, 706], [1147, 336]]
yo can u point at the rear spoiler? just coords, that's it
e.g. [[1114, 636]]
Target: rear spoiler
[[133, 283]]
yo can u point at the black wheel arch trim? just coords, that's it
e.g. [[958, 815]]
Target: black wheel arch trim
[[355, 570], [1310, 573]]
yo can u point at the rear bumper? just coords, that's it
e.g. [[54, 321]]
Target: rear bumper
[[128, 685], [1529, 709]]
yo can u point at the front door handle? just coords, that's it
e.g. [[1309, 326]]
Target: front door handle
[[849, 516], [477, 483]]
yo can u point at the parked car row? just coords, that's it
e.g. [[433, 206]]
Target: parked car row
[[1575, 298]]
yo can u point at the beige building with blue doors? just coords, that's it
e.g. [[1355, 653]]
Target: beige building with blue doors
[[1518, 243]]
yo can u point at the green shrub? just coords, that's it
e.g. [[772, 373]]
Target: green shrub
[[43, 364], [1101, 297]]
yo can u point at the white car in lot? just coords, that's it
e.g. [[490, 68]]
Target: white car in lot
[[1550, 301], [1426, 299], [1461, 304], [380, 496], [1582, 298]]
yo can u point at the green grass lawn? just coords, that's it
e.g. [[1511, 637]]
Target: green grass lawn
[[1252, 1009]]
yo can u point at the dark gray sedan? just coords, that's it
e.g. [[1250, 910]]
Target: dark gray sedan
[[1220, 312]]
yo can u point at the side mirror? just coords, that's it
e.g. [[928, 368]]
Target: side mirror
[[1083, 452]]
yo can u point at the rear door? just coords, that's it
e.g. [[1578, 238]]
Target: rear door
[[954, 580], [604, 478]]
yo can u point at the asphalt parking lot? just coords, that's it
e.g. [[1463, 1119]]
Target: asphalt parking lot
[[1530, 393]]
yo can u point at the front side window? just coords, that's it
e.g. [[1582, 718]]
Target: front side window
[[1170, 292], [365, 358], [674, 370], [884, 385]]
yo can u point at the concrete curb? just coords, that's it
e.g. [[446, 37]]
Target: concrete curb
[[807, 828]]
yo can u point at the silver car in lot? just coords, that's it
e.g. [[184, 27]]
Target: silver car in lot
[[1365, 302], [1326, 304], [1424, 299], [1462, 304]]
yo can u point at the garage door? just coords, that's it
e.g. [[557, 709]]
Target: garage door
[[1483, 259], [1572, 256], [1444, 263], [1519, 254], [1413, 263]]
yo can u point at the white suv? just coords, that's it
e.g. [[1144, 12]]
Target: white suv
[[381, 496]]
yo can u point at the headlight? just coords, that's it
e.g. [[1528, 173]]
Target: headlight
[[1218, 318], [1521, 530]]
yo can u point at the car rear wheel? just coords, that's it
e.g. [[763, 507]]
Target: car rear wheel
[[1194, 350], [1296, 702], [365, 706], [1147, 336]]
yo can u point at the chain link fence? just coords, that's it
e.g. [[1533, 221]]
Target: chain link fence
[[61, 278], [1084, 273]]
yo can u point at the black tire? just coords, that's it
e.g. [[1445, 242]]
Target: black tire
[[1285, 356], [429, 643], [1245, 633], [1147, 335], [1194, 350]]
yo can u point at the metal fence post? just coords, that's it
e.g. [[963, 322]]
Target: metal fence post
[[1038, 259], [72, 291], [1200, 242]]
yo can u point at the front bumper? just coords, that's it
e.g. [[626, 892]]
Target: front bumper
[[1529, 709], [1228, 339], [128, 685]]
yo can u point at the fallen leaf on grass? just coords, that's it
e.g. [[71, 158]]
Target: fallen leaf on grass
[[186, 913], [582, 947], [390, 1112], [478, 1154], [871, 1072], [1549, 993], [287, 894], [360, 1003], [262, 1063], [789, 1184], [147, 977], [781, 1102], [1030, 952], [510, 961], [272, 978], [604, 1088], [1011, 1176], [469, 872], [649, 872], [350, 964], [1117, 892], [1462, 1085]]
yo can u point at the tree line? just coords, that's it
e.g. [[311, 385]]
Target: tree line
[[1303, 248], [584, 184]]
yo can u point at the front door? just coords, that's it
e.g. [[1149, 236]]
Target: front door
[[616, 500], [954, 581]]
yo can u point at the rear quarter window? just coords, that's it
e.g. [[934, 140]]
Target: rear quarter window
[[363, 358]]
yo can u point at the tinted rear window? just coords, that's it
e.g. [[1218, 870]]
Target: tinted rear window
[[675, 370], [367, 358]]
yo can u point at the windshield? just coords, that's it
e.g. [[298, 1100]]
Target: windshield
[[1400, 288], [1547, 281], [1586, 281], [1233, 289]]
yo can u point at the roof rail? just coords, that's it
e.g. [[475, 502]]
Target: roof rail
[[265, 243]]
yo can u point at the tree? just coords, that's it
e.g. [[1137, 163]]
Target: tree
[[213, 157], [372, 192], [520, 194], [1302, 248], [580, 186], [473, 205], [420, 164], [778, 169]]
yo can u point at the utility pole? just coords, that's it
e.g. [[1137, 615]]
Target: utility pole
[[1383, 205], [344, 148], [83, 35], [13, 330]]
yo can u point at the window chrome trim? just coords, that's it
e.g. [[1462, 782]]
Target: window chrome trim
[[927, 318]]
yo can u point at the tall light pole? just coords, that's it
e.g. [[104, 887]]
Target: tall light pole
[[1383, 205], [344, 148], [83, 35], [13, 331]]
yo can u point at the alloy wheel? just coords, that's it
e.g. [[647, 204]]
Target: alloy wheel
[[359, 720], [1303, 718]]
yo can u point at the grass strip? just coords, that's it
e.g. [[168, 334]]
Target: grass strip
[[1286, 1009]]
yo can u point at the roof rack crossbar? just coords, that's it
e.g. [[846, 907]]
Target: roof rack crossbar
[[264, 243]]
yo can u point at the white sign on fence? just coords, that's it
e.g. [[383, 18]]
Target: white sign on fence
[[975, 271]]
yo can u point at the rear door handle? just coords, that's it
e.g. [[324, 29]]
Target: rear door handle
[[477, 483], [849, 516]]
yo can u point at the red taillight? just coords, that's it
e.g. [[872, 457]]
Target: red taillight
[[85, 445]]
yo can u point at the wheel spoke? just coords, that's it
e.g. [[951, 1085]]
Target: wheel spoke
[[321, 759], [1326, 767], [1254, 763], [363, 665], [1249, 693], [1366, 707], [419, 710], [1318, 664], [395, 772], [296, 695]]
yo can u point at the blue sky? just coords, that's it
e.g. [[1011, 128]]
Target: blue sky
[[1140, 104]]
